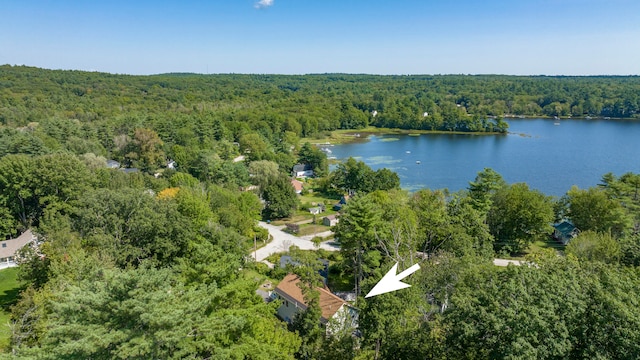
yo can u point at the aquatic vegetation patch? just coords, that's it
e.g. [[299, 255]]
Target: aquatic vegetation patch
[[382, 160]]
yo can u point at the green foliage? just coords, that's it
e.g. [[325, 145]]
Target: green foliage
[[280, 198], [263, 171], [132, 225], [630, 250], [8, 224], [592, 209], [29, 186], [356, 176], [148, 313], [593, 246], [482, 189], [180, 179], [519, 216], [356, 231]]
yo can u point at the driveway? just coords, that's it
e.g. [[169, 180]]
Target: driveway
[[282, 241], [505, 262]]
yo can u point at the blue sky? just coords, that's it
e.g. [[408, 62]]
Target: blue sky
[[526, 37]]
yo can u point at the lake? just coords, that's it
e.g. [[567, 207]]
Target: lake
[[548, 157]]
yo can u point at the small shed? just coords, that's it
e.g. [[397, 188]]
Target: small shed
[[330, 220]]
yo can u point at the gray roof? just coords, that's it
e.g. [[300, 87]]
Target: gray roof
[[8, 248], [129, 170], [565, 227], [113, 164], [302, 167]]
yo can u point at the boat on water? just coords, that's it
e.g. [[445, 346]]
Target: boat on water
[[417, 161], [408, 152]]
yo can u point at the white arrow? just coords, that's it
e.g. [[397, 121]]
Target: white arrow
[[391, 282]]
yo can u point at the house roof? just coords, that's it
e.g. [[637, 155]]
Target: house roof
[[329, 303], [297, 184], [129, 170], [565, 227], [330, 217], [10, 247], [302, 167]]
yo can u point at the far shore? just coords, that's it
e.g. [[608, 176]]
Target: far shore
[[347, 136], [360, 135]]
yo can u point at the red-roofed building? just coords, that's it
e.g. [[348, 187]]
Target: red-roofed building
[[297, 185], [336, 313]]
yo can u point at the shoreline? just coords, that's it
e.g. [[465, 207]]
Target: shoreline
[[350, 136]]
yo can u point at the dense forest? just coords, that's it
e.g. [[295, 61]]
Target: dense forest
[[149, 258]]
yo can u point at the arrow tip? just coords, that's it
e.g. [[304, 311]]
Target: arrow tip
[[391, 282]]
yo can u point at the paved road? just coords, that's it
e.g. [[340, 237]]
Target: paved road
[[282, 241], [504, 262]]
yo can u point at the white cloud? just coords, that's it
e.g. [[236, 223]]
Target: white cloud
[[263, 4]]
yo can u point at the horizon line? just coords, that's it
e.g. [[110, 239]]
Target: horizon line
[[320, 73]]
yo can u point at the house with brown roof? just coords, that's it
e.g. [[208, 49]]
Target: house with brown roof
[[9, 248], [297, 185], [336, 313]]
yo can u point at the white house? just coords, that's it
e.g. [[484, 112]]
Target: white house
[[336, 313], [302, 170], [9, 248]]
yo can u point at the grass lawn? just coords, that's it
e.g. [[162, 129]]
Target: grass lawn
[[548, 244], [9, 290], [308, 229], [293, 219], [536, 247]]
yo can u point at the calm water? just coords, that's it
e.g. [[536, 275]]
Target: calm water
[[550, 158]]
